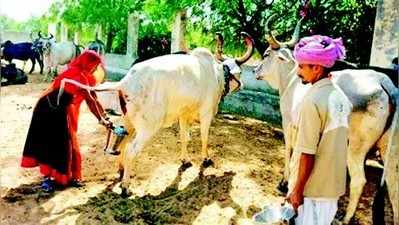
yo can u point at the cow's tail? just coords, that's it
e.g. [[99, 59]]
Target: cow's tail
[[390, 89], [393, 94]]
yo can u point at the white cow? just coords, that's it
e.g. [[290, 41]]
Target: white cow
[[55, 54], [370, 93], [177, 87]]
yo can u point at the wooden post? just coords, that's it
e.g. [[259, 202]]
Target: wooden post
[[132, 35], [52, 29], [179, 30], [99, 32], [64, 32], [76, 37]]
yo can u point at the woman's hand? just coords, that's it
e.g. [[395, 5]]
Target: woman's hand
[[106, 122]]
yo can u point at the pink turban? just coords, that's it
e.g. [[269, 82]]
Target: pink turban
[[319, 50]]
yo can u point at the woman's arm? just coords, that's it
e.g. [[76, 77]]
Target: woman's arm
[[96, 108]]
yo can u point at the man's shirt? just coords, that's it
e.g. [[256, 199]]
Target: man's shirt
[[322, 130]]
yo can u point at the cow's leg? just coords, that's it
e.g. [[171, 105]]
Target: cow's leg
[[283, 185], [364, 131], [32, 59], [287, 159], [184, 136], [40, 61], [123, 146], [41, 66], [142, 137], [356, 156], [205, 121], [391, 173], [361, 139]]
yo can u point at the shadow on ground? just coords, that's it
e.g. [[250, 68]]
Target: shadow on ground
[[172, 206], [23, 192]]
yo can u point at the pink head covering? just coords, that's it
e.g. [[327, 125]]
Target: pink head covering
[[319, 50]]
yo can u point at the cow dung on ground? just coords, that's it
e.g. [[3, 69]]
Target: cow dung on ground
[[249, 163]]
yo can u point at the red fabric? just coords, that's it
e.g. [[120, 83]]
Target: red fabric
[[47, 171], [80, 70]]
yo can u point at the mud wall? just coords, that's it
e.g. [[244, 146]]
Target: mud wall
[[386, 33], [14, 36]]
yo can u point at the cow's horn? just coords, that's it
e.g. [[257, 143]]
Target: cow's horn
[[31, 35], [269, 36], [51, 36], [39, 34], [295, 36], [219, 46], [249, 42]]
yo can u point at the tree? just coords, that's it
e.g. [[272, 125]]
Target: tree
[[6, 23], [350, 19], [232, 17], [110, 14]]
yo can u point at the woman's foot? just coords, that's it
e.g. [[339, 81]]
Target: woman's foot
[[76, 183], [48, 185]]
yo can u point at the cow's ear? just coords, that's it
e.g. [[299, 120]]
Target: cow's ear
[[285, 54], [281, 56]]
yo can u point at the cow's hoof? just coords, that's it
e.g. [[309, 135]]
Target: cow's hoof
[[283, 186], [336, 222], [207, 163], [185, 164], [120, 172], [112, 152], [125, 192]]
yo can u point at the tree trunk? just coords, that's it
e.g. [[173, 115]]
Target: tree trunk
[[260, 43], [110, 38]]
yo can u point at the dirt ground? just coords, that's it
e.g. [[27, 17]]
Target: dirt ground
[[249, 161]]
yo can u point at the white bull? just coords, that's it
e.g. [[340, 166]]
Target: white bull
[[180, 87], [55, 54], [370, 93]]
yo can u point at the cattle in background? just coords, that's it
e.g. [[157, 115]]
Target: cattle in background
[[55, 54], [37, 43], [183, 88], [97, 45], [371, 94], [392, 73], [150, 47], [13, 75], [21, 51]]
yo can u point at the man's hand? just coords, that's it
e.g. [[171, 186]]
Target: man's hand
[[295, 198], [306, 163]]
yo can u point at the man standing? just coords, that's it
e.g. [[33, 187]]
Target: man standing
[[318, 162]]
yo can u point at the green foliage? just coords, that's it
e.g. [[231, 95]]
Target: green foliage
[[232, 17], [34, 24], [353, 20], [7, 23]]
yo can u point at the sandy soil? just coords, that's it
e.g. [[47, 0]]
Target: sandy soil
[[249, 163]]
